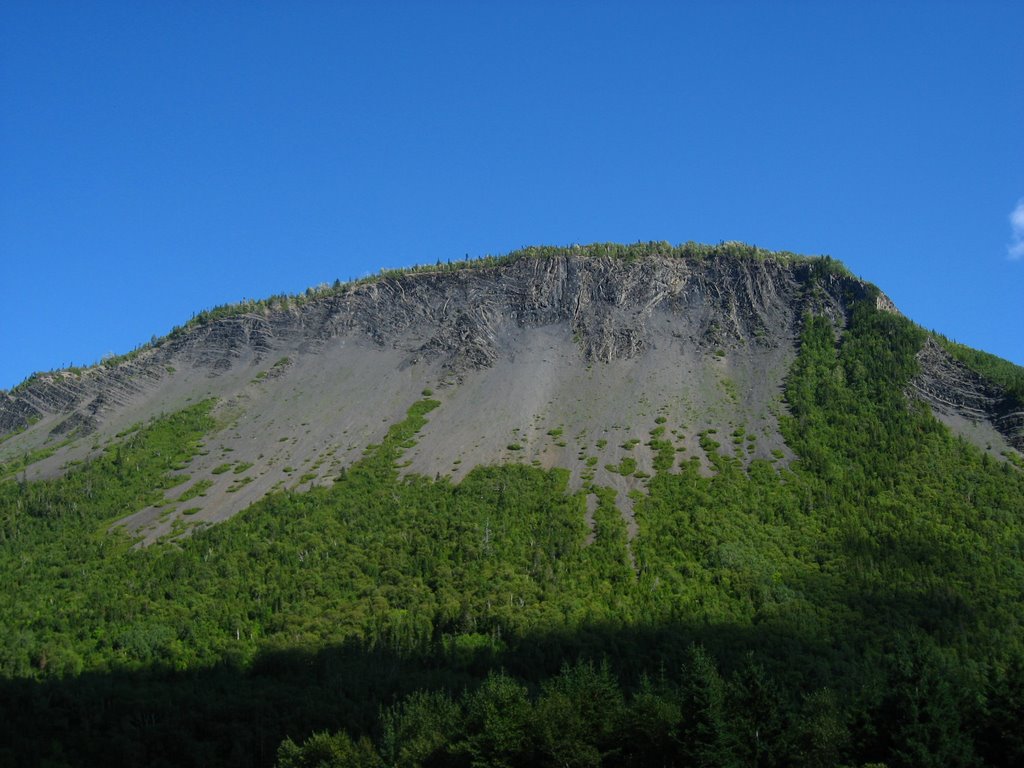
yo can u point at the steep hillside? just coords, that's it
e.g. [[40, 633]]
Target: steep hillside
[[572, 355], [599, 506]]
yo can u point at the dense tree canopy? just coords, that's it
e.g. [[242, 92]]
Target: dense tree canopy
[[860, 606]]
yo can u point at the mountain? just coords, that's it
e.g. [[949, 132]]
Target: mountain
[[552, 346], [591, 505]]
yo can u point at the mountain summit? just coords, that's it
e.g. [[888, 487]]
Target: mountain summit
[[601, 505], [538, 355]]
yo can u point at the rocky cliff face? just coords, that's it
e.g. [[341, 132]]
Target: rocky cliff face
[[566, 360], [461, 317], [955, 392]]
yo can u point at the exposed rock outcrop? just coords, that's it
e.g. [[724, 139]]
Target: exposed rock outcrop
[[462, 317], [97, 391], [951, 388], [563, 360]]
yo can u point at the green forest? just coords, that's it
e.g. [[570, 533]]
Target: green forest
[[863, 606]]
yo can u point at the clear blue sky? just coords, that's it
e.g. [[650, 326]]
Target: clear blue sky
[[160, 158]]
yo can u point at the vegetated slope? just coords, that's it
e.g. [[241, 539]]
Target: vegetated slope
[[860, 604]]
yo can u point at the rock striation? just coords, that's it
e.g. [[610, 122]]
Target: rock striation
[[461, 317], [950, 388], [465, 320]]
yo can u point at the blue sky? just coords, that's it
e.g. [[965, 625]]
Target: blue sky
[[160, 158]]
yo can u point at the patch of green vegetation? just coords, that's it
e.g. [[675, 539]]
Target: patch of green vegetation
[[129, 475], [729, 387], [514, 447], [190, 511], [601, 444], [241, 467], [627, 466], [222, 468], [556, 432], [664, 454], [238, 484], [707, 443], [198, 489]]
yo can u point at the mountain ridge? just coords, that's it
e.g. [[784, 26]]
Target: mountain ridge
[[698, 335], [688, 250], [249, 314]]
